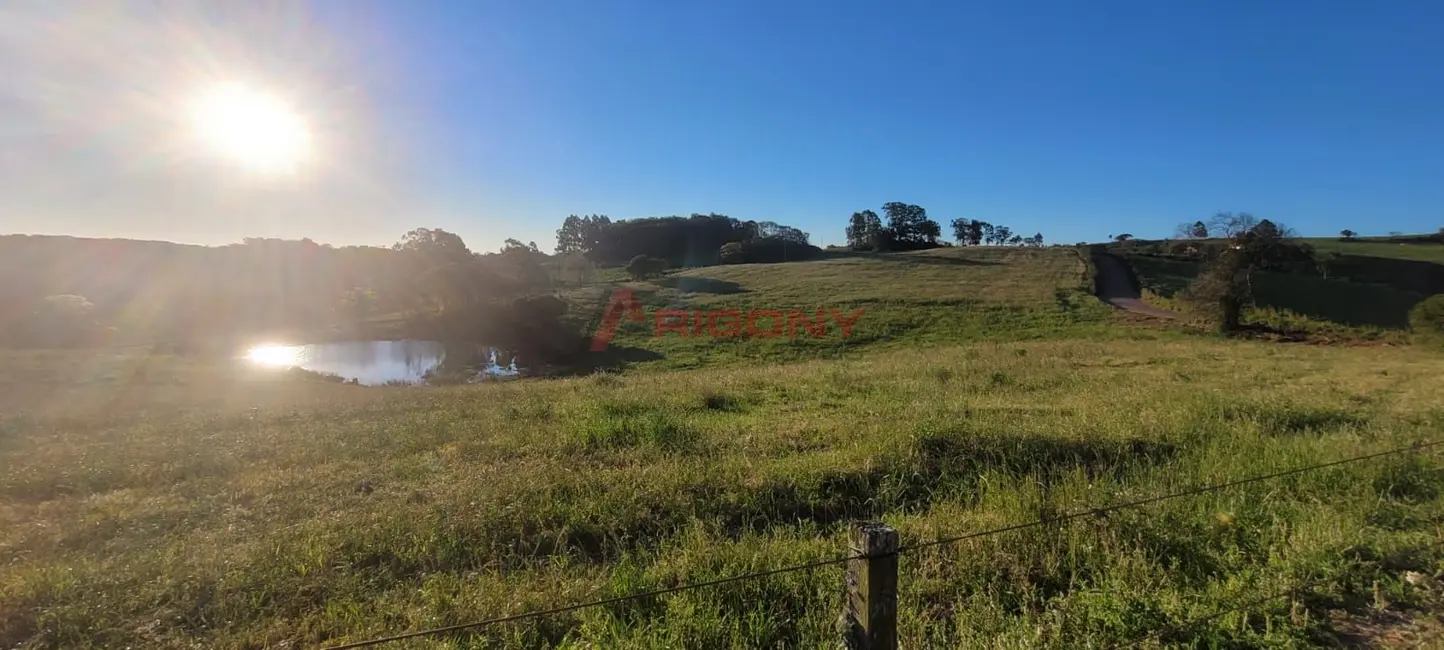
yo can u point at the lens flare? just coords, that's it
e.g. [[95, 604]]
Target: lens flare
[[254, 129]]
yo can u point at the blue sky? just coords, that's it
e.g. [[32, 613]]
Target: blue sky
[[498, 119]]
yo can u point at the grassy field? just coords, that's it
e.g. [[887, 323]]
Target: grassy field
[[926, 298], [160, 502], [1422, 252]]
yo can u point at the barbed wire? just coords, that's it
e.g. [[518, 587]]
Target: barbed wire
[[1418, 446]]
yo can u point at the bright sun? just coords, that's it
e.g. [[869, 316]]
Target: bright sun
[[254, 129]]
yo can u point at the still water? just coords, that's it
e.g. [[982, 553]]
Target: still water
[[373, 363]]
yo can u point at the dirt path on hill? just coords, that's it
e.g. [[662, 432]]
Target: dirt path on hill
[[1115, 287]]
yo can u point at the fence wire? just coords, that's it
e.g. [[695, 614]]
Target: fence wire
[[809, 566]]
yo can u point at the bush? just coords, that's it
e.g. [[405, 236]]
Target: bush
[[767, 250], [1427, 318], [642, 267]]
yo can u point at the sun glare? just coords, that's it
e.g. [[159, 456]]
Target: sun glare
[[274, 355], [253, 129]]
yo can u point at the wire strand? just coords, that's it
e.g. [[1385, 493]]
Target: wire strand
[[1174, 495], [609, 601], [1418, 446]]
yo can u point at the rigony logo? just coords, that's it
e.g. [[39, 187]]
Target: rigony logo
[[721, 323]]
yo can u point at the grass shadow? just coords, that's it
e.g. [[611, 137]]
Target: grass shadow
[[692, 284]]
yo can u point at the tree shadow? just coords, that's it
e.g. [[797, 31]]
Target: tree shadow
[[692, 284], [614, 358]]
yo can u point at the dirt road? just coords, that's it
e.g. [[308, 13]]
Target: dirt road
[[1115, 287]]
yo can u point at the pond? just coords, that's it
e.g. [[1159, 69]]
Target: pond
[[375, 363]]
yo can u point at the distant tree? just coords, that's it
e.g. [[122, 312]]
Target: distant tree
[[864, 231], [581, 234], [1195, 230], [1225, 286], [1001, 235], [1122, 238], [1035, 241], [1347, 235], [60, 320], [770, 230], [576, 268], [1015, 240], [642, 267], [1229, 224], [968, 232], [434, 244], [1221, 290], [988, 232], [909, 227], [767, 250]]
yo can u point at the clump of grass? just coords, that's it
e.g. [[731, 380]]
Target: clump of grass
[[715, 401], [632, 426], [942, 375]]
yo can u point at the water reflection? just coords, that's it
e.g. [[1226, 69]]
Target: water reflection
[[381, 362]]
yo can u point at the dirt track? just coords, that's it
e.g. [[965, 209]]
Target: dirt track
[[1116, 288]]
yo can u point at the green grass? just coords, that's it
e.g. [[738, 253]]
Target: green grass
[[906, 300], [1421, 252], [160, 502]]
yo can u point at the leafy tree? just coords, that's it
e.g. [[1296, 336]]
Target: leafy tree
[[1122, 238], [434, 244], [1036, 240], [1195, 230], [864, 231], [967, 232], [642, 267], [961, 228], [1347, 235], [909, 227], [770, 230], [1002, 235], [581, 234], [1222, 290], [1225, 286], [989, 232]]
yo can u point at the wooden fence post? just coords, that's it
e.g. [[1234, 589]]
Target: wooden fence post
[[870, 621]]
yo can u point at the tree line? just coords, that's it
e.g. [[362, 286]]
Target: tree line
[[696, 240], [67, 291], [909, 228]]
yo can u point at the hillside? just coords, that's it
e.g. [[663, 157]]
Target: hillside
[[1418, 249], [159, 501], [950, 295]]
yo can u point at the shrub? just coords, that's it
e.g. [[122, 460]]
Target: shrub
[[1427, 318], [642, 267]]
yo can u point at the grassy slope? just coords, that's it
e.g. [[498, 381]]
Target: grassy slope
[[1374, 248], [945, 296], [159, 503]]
